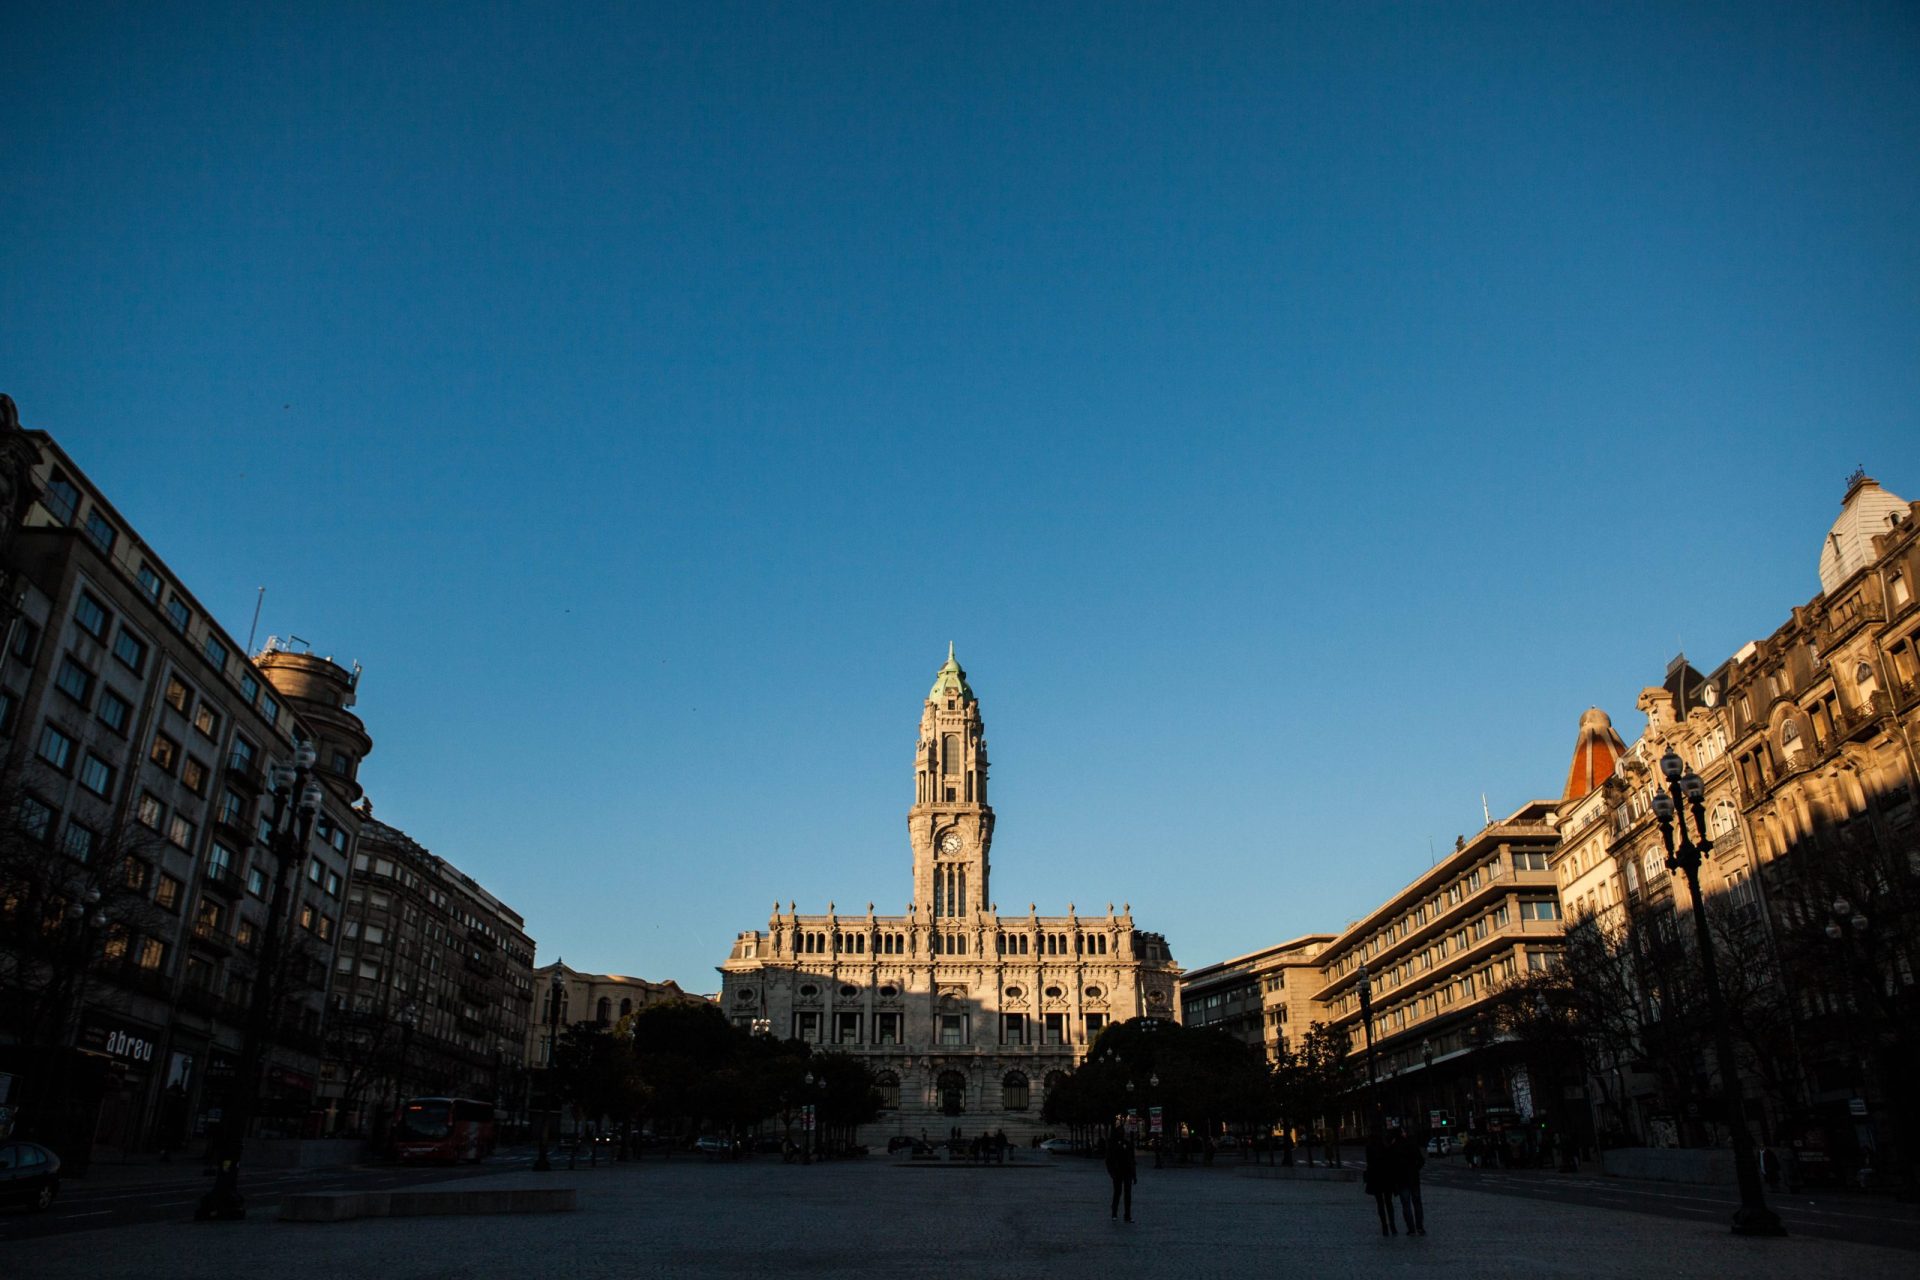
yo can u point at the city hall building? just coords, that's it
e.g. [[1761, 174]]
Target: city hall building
[[967, 1017]]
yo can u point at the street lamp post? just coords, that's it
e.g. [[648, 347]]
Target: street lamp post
[[812, 1116], [296, 805], [1686, 845], [541, 1161], [409, 1019], [1427, 1091], [1373, 1072]]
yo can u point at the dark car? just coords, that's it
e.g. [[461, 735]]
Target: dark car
[[29, 1174], [905, 1142]]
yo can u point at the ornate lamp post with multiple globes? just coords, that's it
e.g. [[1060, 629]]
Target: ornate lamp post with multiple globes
[[542, 1162], [1687, 844], [295, 806], [1365, 986]]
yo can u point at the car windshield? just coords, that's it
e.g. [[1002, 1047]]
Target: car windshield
[[426, 1120]]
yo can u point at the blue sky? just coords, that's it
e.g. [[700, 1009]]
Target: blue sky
[[1296, 415]]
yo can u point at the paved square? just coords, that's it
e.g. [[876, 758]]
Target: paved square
[[691, 1218]]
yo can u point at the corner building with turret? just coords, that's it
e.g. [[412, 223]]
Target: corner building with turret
[[967, 1016]]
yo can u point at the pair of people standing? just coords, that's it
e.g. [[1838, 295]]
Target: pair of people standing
[[1393, 1170]]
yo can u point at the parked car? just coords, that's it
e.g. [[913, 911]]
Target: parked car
[[769, 1144], [1439, 1145], [907, 1142], [713, 1144], [1058, 1146], [29, 1175]]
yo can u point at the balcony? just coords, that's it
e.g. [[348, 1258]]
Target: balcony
[[224, 881], [1845, 618], [246, 775], [212, 938]]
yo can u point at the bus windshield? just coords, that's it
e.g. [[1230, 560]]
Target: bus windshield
[[431, 1119]]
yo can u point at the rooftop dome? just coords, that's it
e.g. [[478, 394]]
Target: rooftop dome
[[1865, 511], [1594, 755], [950, 679]]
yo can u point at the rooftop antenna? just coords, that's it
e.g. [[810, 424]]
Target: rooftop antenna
[[254, 630], [1484, 812], [1432, 857]]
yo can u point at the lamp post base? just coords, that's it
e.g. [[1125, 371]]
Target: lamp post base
[[1751, 1220], [223, 1201]]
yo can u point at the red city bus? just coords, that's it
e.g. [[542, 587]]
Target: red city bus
[[447, 1129]]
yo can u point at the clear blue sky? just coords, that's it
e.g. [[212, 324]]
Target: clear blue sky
[[1297, 416]]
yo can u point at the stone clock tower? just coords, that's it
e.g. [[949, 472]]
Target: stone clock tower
[[950, 822]]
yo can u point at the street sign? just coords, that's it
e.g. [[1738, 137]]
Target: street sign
[[1153, 1120], [1856, 1106]]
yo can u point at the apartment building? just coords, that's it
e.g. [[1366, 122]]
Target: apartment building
[[137, 737], [433, 985]]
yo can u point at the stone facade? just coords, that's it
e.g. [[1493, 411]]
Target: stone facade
[[602, 998], [966, 1015]]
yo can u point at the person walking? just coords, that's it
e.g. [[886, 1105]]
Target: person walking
[[1122, 1169], [1378, 1181], [1406, 1159]]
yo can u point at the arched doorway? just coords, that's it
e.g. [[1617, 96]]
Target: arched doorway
[[952, 1090]]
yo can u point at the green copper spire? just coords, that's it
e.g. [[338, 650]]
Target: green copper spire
[[950, 679]]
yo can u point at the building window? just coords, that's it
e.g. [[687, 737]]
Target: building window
[[1097, 1022], [131, 650], [206, 722], [178, 614], [269, 709], [167, 894], [74, 680], [36, 819], [61, 500], [56, 748], [180, 832], [889, 1084], [216, 653], [96, 774], [164, 751], [113, 711], [1014, 1092], [1055, 1027], [149, 812], [101, 531], [953, 1028], [150, 954], [846, 1028], [886, 1028], [256, 882], [149, 581], [178, 695], [1013, 1028], [220, 861], [1539, 909], [806, 1026], [91, 615], [78, 841], [193, 775]]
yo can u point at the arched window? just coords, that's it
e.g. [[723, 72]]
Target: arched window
[[1013, 1092], [604, 1010], [950, 754], [626, 1007], [889, 1085], [952, 1088]]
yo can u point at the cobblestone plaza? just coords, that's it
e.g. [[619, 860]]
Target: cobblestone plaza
[[874, 1217]]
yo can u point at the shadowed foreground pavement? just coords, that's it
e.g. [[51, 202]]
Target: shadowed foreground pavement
[[691, 1218]]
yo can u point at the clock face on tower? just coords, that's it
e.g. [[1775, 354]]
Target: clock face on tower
[[951, 843]]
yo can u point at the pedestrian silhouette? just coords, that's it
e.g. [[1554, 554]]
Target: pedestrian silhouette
[[1123, 1171]]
